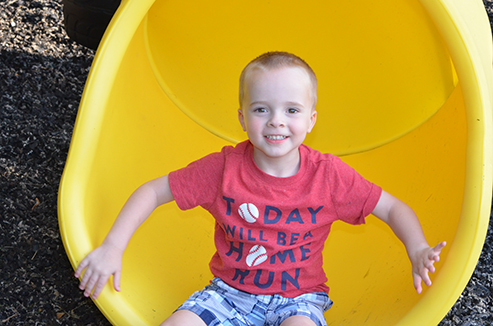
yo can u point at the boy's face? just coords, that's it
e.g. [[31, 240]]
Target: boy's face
[[277, 112]]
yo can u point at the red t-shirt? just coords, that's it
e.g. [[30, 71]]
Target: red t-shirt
[[270, 231]]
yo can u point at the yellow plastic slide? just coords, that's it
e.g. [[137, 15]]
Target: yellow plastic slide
[[404, 97]]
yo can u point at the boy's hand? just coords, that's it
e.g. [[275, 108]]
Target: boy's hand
[[100, 264], [422, 262]]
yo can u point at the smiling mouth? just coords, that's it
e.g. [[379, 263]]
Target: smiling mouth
[[276, 137]]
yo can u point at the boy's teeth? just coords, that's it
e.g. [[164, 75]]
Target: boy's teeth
[[276, 137]]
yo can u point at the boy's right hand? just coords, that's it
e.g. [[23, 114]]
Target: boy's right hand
[[100, 264]]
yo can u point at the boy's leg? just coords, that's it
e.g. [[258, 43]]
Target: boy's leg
[[298, 321], [183, 318], [219, 304], [306, 310]]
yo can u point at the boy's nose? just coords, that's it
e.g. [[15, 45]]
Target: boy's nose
[[276, 120]]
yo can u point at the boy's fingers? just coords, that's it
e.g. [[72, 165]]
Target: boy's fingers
[[90, 286], [99, 287], [426, 279], [116, 280], [80, 268], [85, 279], [427, 267], [435, 253], [431, 267], [417, 283], [423, 273], [438, 248]]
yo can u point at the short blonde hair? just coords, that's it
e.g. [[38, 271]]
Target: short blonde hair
[[273, 60]]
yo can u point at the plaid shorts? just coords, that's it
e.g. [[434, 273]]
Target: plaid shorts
[[219, 304]]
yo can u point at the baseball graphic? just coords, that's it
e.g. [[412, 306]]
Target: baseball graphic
[[248, 212], [257, 256]]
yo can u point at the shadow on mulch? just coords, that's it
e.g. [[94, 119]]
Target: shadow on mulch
[[39, 100]]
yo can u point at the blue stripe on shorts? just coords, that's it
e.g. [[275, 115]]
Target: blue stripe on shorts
[[219, 304]]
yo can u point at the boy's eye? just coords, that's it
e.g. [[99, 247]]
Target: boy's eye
[[292, 110], [260, 110]]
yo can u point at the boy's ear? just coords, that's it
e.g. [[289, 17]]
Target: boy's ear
[[313, 119], [241, 117]]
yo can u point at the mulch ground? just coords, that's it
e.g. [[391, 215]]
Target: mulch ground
[[42, 75]]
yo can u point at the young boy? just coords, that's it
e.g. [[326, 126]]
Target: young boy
[[274, 201]]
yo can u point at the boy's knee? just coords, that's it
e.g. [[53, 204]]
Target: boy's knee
[[298, 321], [183, 318]]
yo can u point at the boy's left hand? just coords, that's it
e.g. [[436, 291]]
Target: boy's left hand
[[422, 262]]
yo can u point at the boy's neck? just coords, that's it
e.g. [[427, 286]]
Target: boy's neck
[[278, 167]]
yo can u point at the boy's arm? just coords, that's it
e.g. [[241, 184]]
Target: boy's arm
[[405, 224], [106, 260]]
